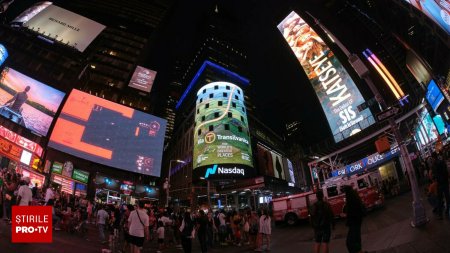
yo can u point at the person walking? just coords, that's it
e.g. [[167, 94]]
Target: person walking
[[354, 210], [186, 229], [24, 194], [440, 173], [138, 223], [201, 228], [102, 219], [322, 221], [265, 230]]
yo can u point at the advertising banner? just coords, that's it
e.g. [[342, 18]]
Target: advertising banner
[[221, 139], [334, 87], [28, 102], [436, 10], [65, 26], [57, 168], [142, 79], [3, 54], [31, 12], [108, 133], [434, 95], [80, 175], [271, 164]]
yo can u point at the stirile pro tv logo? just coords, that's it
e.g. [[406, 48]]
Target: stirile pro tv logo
[[31, 224]]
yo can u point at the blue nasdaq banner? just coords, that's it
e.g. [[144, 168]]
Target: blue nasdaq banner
[[3, 54], [334, 87]]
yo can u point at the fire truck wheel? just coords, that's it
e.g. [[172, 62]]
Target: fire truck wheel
[[291, 219]]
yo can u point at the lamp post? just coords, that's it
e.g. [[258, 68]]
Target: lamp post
[[167, 183], [207, 191]]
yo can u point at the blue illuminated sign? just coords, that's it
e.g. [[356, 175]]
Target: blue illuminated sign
[[245, 81], [3, 54], [434, 95], [366, 163]]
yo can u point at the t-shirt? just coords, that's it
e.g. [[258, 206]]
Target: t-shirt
[[136, 227], [265, 225], [102, 216], [25, 195], [160, 232], [49, 195]]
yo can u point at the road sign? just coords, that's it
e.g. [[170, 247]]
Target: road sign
[[386, 114]]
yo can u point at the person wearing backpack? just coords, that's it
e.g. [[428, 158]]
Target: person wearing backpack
[[187, 230], [322, 221]]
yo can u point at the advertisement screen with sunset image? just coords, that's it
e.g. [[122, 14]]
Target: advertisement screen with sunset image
[[28, 102]]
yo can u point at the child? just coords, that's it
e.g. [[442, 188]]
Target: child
[[160, 231]]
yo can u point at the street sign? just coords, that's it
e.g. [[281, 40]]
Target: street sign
[[389, 113]]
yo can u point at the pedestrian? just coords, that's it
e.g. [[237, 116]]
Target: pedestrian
[[102, 219], [201, 228], [322, 221], [187, 230], [24, 194], [138, 228], [354, 210], [440, 173], [265, 230], [432, 195], [49, 194], [160, 232]]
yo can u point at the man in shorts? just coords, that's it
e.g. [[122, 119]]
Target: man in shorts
[[322, 221], [138, 223]]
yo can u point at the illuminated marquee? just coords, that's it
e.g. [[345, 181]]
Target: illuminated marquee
[[334, 87]]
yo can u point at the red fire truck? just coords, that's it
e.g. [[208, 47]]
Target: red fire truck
[[292, 208]]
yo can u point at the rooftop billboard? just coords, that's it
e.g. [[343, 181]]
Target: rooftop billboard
[[436, 10], [334, 87], [142, 79]]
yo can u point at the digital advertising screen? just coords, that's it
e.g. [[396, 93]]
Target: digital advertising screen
[[57, 168], [439, 123], [426, 131], [28, 102], [80, 175], [222, 146], [108, 133], [291, 171], [65, 26], [142, 79], [436, 10], [3, 54], [334, 87], [30, 12], [434, 95], [145, 191], [270, 163]]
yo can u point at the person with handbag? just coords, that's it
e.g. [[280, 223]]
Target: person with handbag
[[138, 224]]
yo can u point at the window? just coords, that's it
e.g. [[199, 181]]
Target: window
[[216, 115], [211, 128], [225, 94], [216, 87], [207, 106], [199, 132], [211, 95], [203, 118], [201, 100], [227, 127], [204, 91], [220, 103], [362, 183], [236, 97], [242, 119], [239, 92], [227, 87], [332, 191], [243, 109], [233, 104], [230, 115], [198, 111], [240, 129]]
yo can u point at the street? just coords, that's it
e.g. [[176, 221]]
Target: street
[[385, 230]]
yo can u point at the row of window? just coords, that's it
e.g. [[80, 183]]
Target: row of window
[[211, 128], [227, 87], [217, 114], [219, 103], [225, 94]]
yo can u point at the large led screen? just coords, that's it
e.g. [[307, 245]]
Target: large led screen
[[28, 102], [221, 139], [30, 12], [436, 10], [434, 95], [65, 26], [108, 133], [142, 79], [270, 163], [334, 87]]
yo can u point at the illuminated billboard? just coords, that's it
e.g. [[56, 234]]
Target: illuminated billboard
[[434, 95], [3, 54], [436, 10], [30, 12], [65, 26], [142, 79], [104, 132], [222, 146], [270, 163], [334, 87], [28, 102]]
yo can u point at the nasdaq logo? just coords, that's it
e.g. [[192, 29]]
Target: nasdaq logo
[[211, 171], [222, 170]]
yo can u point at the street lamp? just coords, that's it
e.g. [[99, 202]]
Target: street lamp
[[167, 183], [208, 191]]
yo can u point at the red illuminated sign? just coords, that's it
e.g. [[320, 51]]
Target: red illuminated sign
[[21, 141]]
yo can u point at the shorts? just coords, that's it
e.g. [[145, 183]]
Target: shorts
[[322, 235], [138, 241], [160, 241]]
